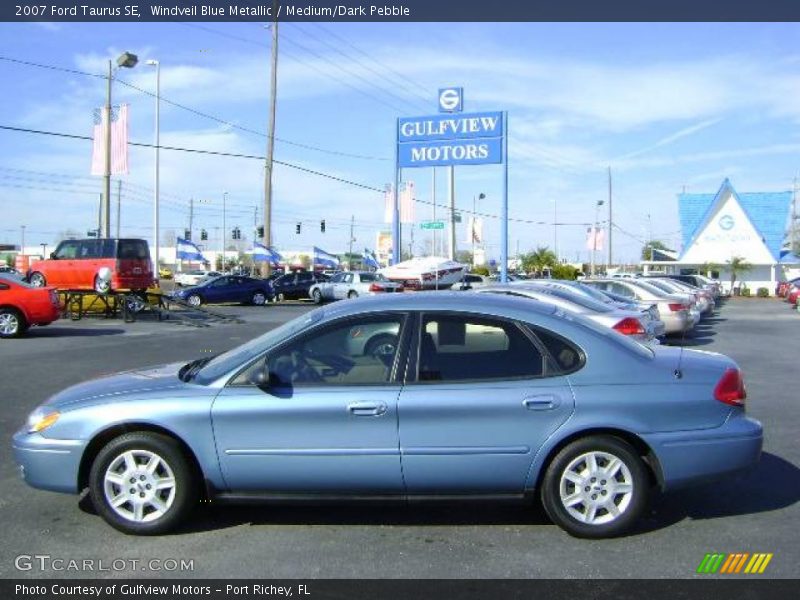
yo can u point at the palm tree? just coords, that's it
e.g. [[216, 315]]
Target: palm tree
[[539, 260], [737, 266]]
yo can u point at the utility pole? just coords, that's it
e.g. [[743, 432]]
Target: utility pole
[[191, 215], [452, 192], [273, 92], [224, 230], [22, 245], [106, 204], [119, 204], [433, 197], [100, 216], [555, 228], [793, 224], [352, 239], [610, 219]]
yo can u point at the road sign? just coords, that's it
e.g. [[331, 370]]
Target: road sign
[[451, 99], [432, 225]]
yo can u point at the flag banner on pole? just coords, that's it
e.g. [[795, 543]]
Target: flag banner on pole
[[186, 250], [407, 203], [324, 259], [595, 237], [119, 142], [370, 260], [474, 230], [263, 254], [388, 203]]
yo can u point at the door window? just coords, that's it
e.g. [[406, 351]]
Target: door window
[[68, 249], [457, 348], [351, 352], [90, 249]]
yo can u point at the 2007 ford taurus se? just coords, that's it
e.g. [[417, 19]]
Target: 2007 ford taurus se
[[424, 395]]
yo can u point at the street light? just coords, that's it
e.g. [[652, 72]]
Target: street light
[[128, 61], [44, 250], [157, 65], [224, 203], [594, 232], [481, 196]]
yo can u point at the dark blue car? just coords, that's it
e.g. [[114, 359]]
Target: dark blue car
[[227, 288]]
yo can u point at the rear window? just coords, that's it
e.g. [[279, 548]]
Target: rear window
[[368, 277], [133, 249], [580, 300]]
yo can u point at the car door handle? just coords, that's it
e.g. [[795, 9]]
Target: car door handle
[[544, 402], [366, 409]]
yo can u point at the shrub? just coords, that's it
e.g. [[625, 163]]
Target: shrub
[[762, 292], [481, 270], [564, 272], [745, 291]]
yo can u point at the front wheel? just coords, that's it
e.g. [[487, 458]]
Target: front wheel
[[259, 298], [194, 300], [352, 294], [142, 483], [316, 296], [102, 286], [12, 323], [37, 280], [281, 297], [596, 487]]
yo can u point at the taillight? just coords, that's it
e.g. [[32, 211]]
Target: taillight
[[375, 288], [629, 326], [675, 307], [730, 388]]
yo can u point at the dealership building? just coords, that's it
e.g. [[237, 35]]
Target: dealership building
[[717, 227]]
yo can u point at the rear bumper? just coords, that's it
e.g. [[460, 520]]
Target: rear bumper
[[138, 282], [48, 464], [693, 457], [677, 322]]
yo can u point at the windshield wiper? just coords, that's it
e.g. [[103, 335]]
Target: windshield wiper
[[191, 369]]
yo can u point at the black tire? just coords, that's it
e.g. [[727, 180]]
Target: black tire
[[634, 506], [185, 495], [378, 345], [36, 279], [281, 297], [352, 294], [194, 300], [101, 288], [316, 296], [12, 323]]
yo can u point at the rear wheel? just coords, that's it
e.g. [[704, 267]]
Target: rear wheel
[[143, 483], [281, 297], [37, 280], [101, 286], [595, 487], [12, 323], [352, 294]]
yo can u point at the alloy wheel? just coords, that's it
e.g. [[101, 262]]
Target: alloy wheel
[[596, 488], [139, 486], [9, 324]]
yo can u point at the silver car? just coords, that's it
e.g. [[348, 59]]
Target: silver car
[[627, 322], [352, 284], [676, 311]]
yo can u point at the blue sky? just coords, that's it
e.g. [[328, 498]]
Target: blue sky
[[664, 105]]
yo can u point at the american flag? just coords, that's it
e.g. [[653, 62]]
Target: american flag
[[119, 141], [406, 200]]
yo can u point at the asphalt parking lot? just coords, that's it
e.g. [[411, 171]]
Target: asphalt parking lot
[[757, 512]]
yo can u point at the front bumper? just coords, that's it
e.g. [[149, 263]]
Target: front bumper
[[692, 457], [48, 464]]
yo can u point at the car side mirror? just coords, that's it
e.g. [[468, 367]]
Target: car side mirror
[[259, 377], [53, 256]]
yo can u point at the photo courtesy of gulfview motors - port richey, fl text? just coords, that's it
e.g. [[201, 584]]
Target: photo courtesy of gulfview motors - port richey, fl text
[[402, 299]]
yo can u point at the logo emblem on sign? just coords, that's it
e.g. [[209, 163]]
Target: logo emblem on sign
[[451, 99], [726, 222]]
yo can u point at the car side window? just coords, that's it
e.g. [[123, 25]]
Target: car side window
[[352, 352], [567, 357], [90, 249], [462, 348], [337, 278], [68, 249]]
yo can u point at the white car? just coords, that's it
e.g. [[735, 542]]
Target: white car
[[189, 278], [352, 284]]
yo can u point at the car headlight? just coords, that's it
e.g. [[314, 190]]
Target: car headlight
[[41, 419]]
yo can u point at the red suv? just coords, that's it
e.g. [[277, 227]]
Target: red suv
[[79, 264]]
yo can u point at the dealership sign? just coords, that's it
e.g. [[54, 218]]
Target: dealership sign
[[446, 140]]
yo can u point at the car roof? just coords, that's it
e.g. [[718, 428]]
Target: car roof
[[496, 304]]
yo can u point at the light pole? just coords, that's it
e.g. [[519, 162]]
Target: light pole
[[594, 232], [127, 60], [22, 242], [44, 250], [157, 65], [481, 196], [224, 203], [555, 228]]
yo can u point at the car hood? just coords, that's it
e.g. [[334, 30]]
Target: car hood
[[160, 379]]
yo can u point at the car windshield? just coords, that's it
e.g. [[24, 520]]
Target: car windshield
[[239, 356], [580, 300], [646, 285]]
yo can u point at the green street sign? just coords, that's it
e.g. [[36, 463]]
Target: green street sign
[[432, 225]]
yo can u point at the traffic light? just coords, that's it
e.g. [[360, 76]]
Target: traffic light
[[261, 232], [297, 228], [187, 235], [203, 235], [322, 226], [236, 234]]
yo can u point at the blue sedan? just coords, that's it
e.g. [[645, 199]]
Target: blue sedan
[[227, 288], [423, 395]]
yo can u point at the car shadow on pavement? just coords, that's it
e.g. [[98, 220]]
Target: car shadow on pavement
[[702, 335], [59, 332], [772, 485]]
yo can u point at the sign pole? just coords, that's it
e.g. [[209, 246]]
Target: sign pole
[[504, 218], [396, 199], [451, 252]]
